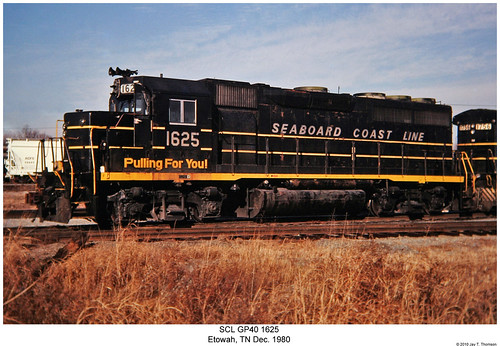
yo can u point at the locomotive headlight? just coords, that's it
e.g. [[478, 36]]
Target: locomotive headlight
[[82, 121], [472, 132]]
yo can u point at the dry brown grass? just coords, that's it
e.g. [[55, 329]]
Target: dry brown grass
[[424, 280]]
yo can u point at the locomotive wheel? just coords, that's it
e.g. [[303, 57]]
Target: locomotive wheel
[[429, 211], [194, 212], [115, 218], [381, 205], [374, 207]]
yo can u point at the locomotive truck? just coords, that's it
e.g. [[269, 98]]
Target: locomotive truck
[[172, 149]]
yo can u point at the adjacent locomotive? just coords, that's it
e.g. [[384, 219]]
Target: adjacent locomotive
[[170, 149], [477, 147]]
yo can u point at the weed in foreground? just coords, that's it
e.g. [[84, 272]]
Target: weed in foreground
[[258, 281]]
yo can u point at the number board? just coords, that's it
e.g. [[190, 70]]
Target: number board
[[127, 89]]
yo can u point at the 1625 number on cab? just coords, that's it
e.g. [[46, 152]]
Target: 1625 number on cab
[[183, 139]]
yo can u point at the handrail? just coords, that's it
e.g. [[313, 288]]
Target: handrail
[[60, 178], [53, 155], [465, 158], [492, 159], [55, 165], [40, 147], [72, 173], [62, 150], [93, 161], [489, 181]]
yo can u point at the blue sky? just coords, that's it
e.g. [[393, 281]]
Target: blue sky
[[56, 56]]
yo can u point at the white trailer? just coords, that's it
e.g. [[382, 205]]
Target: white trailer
[[27, 158]]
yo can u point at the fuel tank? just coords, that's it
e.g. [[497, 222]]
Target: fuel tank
[[285, 202]]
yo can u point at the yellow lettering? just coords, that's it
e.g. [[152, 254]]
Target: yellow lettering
[[147, 163], [193, 164], [128, 161], [159, 165]]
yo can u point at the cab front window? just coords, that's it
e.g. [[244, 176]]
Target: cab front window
[[132, 104]]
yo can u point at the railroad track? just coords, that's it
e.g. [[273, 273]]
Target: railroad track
[[31, 213], [19, 213], [19, 187], [366, 228]]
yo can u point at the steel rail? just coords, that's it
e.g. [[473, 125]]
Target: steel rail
[[367, 228], [19, 187]]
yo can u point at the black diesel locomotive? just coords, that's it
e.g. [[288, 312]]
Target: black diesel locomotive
[[171, 149], [477, 148]]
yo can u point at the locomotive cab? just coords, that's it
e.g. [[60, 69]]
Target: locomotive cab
[[169, 140]]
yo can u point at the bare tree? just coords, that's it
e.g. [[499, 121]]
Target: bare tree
[[28, 132], [25, 133]]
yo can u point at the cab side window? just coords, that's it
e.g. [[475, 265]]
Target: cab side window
[[182, 112]]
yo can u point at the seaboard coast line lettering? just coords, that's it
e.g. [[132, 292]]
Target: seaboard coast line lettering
[[336, 131], [147, 163]]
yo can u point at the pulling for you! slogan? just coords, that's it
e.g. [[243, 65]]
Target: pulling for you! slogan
[[167, 163]]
